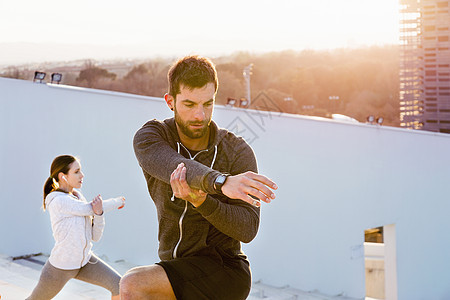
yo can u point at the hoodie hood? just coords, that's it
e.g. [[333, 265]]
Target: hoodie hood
[[52, 196]]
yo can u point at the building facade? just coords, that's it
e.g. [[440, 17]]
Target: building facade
[[425, 65]]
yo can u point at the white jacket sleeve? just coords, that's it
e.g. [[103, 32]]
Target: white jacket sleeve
[[98, 226], [112, 203], [69, 206]]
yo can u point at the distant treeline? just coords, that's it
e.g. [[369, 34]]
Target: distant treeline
[[353, 82]]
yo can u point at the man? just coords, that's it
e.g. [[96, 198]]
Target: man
[[207, 193]]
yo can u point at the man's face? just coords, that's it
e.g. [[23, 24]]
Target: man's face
[[193, 110]]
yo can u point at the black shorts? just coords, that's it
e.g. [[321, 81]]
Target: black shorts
[[201, 277]]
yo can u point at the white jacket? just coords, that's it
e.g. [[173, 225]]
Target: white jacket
[[74, 227]]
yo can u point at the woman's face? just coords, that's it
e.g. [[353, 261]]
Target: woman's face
[[74, 177]]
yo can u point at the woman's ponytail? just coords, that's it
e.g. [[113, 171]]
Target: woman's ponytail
[[60, 164], [49, 187]]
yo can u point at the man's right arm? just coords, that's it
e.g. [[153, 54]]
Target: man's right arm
[[157, 158]]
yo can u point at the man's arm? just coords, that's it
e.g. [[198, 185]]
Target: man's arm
[[236, 218], [244, 186], [157, 158]]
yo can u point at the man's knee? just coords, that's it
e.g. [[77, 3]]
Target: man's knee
[[144, 280], [130, 282]]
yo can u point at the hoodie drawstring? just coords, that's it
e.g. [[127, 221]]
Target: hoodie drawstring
[[180, 222]]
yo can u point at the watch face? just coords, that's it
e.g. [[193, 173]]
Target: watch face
[[221, 179]]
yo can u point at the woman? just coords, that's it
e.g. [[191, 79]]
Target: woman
[[75, 224]]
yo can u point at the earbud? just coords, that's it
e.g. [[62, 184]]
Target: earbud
[[64, 177]]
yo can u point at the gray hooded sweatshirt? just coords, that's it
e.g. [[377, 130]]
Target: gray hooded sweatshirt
[[216, 227]]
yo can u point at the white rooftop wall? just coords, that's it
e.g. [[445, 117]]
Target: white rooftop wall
[[335, 180]]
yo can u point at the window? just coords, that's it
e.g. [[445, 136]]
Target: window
[[443, 38]]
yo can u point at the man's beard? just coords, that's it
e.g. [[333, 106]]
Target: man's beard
[[193, 134]]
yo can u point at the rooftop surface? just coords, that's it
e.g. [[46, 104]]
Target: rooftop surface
[[19, 277]]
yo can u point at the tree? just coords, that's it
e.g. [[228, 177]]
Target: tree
[[13, 72], [229, 86], [147, 79], [91, 75]]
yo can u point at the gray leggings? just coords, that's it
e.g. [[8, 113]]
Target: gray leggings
[[96, 271]]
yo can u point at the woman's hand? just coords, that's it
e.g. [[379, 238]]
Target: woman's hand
[[97, 205], [123, 202]]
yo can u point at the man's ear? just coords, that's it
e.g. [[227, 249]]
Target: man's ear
[[170, 101]]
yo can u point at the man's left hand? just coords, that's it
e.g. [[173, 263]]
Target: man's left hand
[[182, 190]]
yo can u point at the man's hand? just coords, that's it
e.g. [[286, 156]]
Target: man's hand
[[182, 190], [245, 185]]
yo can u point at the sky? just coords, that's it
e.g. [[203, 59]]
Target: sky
[[105, 29]]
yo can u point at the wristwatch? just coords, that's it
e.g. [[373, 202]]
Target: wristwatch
[[219, 182]]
